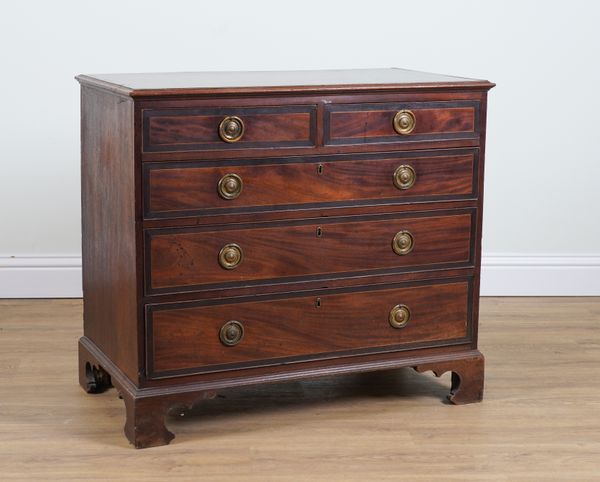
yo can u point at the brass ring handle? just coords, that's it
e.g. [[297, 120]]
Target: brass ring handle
[[399, 316], [230, 256], [230, 186], [404, 122], [404, 177], [231, 333], [403, 243], [231, 129]]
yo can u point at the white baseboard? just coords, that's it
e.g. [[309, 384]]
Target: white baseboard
[[40, 277], [540, 275], [502, 275]]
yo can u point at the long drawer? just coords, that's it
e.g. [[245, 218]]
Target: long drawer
[[195, 337], [180, 189], [187, 259]]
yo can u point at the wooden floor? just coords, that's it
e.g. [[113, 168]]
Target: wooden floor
[[540, 419]]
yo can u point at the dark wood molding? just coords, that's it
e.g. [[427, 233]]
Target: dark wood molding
[[147, 408], [258, 83]]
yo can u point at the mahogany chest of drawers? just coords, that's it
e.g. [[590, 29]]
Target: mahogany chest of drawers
[[245, 228]]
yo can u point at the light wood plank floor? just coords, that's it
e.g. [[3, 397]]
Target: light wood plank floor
[[540, 419]]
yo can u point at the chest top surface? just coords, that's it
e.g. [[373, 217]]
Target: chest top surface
[[149, 84]]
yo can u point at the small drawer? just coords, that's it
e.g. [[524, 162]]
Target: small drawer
[[401, 122], [191, 338], [201, 129], [187, 259], [185, 189]]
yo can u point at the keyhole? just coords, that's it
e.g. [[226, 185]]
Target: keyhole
[[319, 232], [318, 302], [320, 169]]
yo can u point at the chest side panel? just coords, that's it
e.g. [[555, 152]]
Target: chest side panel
[[110, 306]]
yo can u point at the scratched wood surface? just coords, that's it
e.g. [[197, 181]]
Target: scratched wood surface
[[540, 419]]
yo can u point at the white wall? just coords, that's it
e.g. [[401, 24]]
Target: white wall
[[542, 232]]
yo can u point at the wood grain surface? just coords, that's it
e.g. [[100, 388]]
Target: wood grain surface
[[176, 189], [186, 339], [108, 227], [198, 129], [185, 259], [372, 123], [540, 419]]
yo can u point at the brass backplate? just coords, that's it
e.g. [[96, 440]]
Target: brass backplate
[[404, 177], [230, 186], [403, 243], [231, 129], [231, 333], [399, 316], [404, 122], [230, 256]]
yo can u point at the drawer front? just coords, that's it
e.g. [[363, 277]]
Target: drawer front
[[200, 129], [192, 258], [415, 121], [197, 338], [179, 189]]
